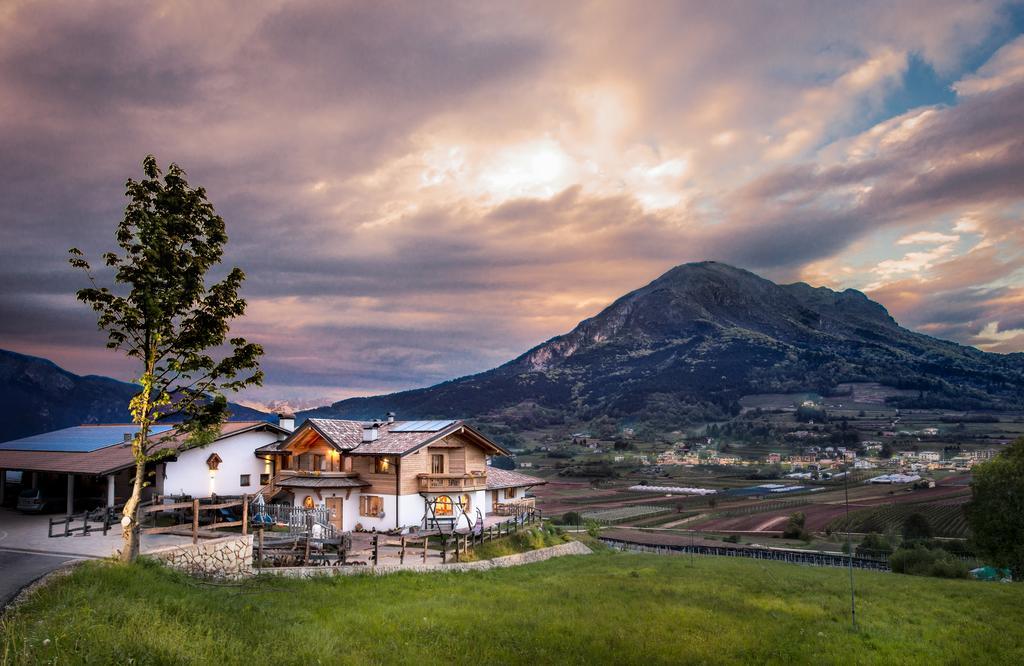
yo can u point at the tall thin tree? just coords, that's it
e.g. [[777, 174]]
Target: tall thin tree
[[162, 314]]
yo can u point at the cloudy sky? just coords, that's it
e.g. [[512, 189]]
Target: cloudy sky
[[419, 191]]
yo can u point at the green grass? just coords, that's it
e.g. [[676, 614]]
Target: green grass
[[525, 540], [603, 608]]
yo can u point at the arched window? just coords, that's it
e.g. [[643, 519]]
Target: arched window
[[307, 503], [467, 503], [443, 506]]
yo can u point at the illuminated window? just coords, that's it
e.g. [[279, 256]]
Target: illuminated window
[[307, 503], [371, 506], [443, 506], [384, 465], [466, 503], [437, 463]]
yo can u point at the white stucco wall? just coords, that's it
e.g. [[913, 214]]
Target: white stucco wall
[[189, 474], [412, 508]]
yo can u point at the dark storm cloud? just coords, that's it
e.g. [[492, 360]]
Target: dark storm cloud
[[418, 191]]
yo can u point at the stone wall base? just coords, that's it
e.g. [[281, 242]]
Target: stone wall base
[[226, 558], [539, 555]]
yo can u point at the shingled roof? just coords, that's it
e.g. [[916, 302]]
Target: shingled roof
[[505, 478], [347, 436]]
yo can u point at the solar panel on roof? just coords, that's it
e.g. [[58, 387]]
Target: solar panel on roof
[[420, 426], [77, 439]]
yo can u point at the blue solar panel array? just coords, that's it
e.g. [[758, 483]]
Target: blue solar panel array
[[420, 426], [77, 439]]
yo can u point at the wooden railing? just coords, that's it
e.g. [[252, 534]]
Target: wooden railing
[[192, 509], [452, 482], [513, 507]]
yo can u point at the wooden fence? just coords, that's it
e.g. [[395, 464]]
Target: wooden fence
[[80, 523], [454, 544], [197, 507]]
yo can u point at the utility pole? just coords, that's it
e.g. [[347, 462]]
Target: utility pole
[[849, 543]]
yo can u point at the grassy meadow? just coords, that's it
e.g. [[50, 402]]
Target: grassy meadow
[[604, 608]]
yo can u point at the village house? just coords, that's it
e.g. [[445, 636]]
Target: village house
[[91, 465], [383, 475]]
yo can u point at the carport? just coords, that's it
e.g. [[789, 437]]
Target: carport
[[78, 463]]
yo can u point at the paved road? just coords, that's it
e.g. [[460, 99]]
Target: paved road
[[18, 569]]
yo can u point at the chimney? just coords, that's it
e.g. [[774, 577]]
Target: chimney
[[128, 437], [391, 417], [286, 420], [371, 432]]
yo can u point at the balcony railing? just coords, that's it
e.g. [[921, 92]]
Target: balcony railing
[[452, 482], [514, 507]]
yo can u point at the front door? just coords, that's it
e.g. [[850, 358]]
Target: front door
[[334, 505]]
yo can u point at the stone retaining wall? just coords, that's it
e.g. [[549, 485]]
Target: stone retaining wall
[[226, 558], [539, 555]]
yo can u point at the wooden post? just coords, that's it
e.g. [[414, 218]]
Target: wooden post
[[195, 521], [67, 523], [401, 553], [259, 549], [245, 515], [426, 540], [376, 549], [457, 547], [444, 549]]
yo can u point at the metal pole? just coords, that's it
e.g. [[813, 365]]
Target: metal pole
[[849, 545]]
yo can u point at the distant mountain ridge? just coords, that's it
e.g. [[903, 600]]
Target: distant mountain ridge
[[38, 395], [686, 346]]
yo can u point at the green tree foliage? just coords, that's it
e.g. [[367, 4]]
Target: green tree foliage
[[996, 510], [916, 528], [923, 561], [162, 314], [795, 528], [874, 545]]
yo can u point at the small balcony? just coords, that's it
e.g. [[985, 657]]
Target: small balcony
[[438, 483]]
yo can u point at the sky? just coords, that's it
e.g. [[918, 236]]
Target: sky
[[420, 191]]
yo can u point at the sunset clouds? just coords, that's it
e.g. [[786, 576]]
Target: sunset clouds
[[423, 190]]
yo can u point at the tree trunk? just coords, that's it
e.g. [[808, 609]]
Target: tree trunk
[[130, 532]]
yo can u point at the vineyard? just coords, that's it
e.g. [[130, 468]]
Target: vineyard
[[946, 520], [626, 513], [761, 507]]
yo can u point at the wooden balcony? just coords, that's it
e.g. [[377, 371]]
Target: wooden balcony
[[438, 483]]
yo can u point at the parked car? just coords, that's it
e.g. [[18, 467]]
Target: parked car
[[33, 500]]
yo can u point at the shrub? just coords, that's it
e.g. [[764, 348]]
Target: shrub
[[874, 545], [594, 528], [923, 561], [795, 527], [916, 527], [571, 518]]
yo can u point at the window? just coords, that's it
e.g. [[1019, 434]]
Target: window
[[510, 493], [371, 506], [243, 480], [307, 503], [437, 463], [466, 503], [384, 465], [264, 479], [443, 506], [318, 462]]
